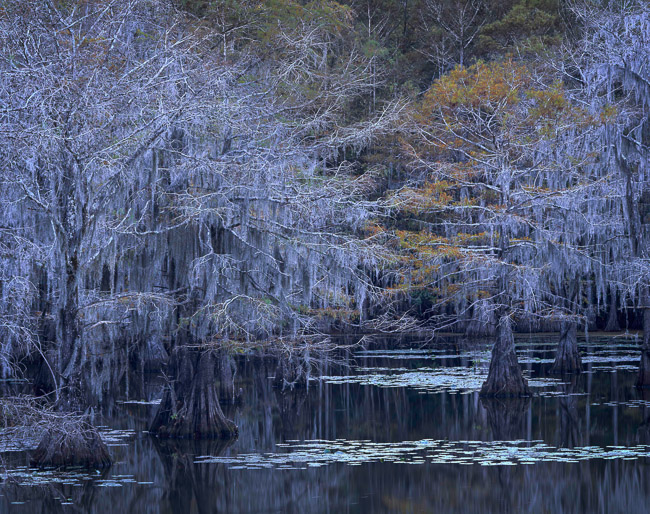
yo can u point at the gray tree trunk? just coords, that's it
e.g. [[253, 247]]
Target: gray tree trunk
[[190, 406], [612, 316], [505, 377], [643, 379], [567, 357]]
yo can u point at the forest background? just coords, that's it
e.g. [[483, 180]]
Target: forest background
[[246, 176]]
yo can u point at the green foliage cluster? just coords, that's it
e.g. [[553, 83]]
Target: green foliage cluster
[[402, 36]]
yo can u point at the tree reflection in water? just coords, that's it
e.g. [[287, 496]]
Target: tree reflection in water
[[151, 475]]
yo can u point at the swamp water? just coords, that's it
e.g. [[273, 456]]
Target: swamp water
[[399, 429]]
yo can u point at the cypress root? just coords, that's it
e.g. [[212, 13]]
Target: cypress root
[[190, 406], [71, 442], [505, 377]]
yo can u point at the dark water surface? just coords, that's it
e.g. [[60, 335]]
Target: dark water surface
[[399, 430]]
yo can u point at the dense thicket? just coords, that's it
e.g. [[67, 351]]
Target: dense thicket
[[162, 182], [217, 172]]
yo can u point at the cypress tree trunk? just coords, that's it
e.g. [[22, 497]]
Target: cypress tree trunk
[[226, 378], [567, 357], [70, 395], [643, 379], [190, 406], [612, 316], [505, 377]]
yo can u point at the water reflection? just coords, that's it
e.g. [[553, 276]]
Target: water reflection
[[508, 418], [590, 413], [188, 485]]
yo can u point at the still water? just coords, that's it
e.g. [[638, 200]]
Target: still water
[[400, 428]]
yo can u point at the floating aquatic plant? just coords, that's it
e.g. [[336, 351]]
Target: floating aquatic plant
[[430, 380], [318, 452], [24, 476]]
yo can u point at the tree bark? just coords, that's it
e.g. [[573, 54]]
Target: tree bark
[[567, 356], [190, 406], [643, 379], [505, 377], [226, 378], [70, 397], [612, 316]]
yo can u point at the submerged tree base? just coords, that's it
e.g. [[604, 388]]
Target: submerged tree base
[[505, 378], [567, 357], [72, 443], [190, 407]]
